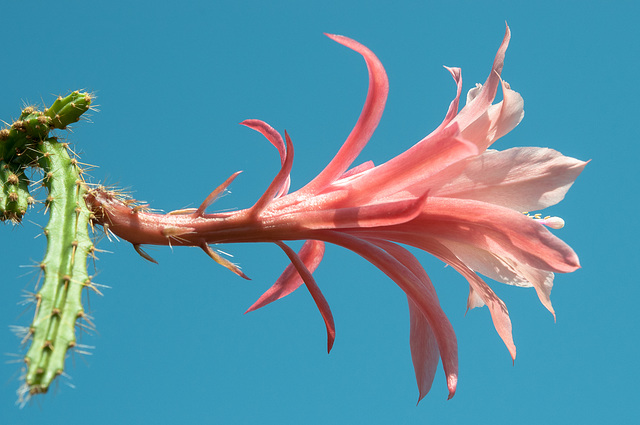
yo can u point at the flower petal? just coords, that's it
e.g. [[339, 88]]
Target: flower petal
[[357, 169], [482, 97], [414, 288], [456, 73], [310, 254], [424, 349], [497, 121], [366, 124], [424, 346], [523, 179], [374, 215], [505, 270], [314, 290], [279, 183], [499, 230], [497, 308], [276, 140], [408, 174]]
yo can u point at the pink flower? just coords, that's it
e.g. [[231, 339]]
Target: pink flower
[[447, 195]]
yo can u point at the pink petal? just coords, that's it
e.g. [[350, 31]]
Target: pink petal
[[310, 254], [479, 289], [499, 230], [506, 271], [484, 97], [497, 121], [424, 346], [408, 174], [424, 349], [315, 292], [280, 181], [270, 133], [523, 179], [474, 299], [276, 140], [414, 288], [497, 308], [456, 73], [542, 281], [488, 264], [358, 169], [367, 123], [375, 215]]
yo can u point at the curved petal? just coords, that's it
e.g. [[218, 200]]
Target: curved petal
[[505, 270], [498, 120], [480, 99], [487, 264], [456, 73], [424, 349], [366, 124], [414, 288], [374, 215], [280, 181], [357, 169], [409, 172], [314, 290], [310, 254], [523, 179], [500, 230], [497, 308], [276, 140], [424, 346]]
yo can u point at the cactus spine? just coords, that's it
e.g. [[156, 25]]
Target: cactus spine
[[26, 143]]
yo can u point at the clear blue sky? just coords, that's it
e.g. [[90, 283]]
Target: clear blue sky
[[174, 79]]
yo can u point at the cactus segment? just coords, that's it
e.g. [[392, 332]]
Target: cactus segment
[[67, 110], [19, 149], [14, 193], [22, 136], [59, 301], [26, 144]]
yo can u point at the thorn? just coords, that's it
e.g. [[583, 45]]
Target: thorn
[[183, 211], [222, 261], [214, 195], [176, 232], [143, 254]]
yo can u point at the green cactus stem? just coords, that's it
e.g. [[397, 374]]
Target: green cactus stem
[[18, 149], [33, 125], [67, 110], [14, 193], [59, 300]]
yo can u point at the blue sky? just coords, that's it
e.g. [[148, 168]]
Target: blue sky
[[173, 80]]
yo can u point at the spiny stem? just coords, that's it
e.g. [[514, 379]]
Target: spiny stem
[[18, 149], [24, 144], [65, 266], [14, 192]]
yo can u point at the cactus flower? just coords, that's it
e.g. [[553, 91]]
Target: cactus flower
[[447, 195]]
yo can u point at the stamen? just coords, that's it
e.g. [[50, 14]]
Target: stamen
[[553, 222], [549, 221]]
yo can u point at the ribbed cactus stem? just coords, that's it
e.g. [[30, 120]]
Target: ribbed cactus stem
[[18, 147], [67, 110], [14, 192], [65, 267]]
